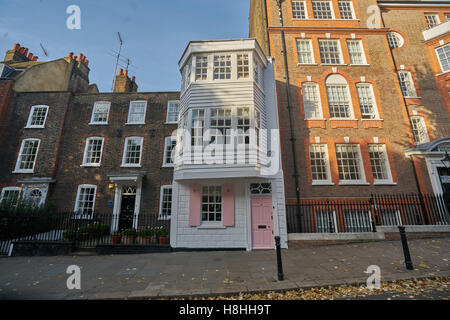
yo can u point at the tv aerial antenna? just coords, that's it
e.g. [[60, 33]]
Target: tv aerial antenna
[[117, 59], [44, 50]]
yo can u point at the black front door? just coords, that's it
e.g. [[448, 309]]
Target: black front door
[[127, 212], [444, 177]]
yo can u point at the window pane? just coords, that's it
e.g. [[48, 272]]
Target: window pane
[[338, 101], [137, 112], [222, 67], [298, 10], [329, 51], [345, 8], [93, 151], [377, 154], [243, 66], [406, 84], [172, 111], [419, 130], [444, 57], [311, 101], [322, 10], [28, 156], [133, 151], [201, 68], [348, 161], [319, 162], [212, 204], [101, 111], [304, 51], [355, 52], [85, 201], [366, 101], [38, 116]]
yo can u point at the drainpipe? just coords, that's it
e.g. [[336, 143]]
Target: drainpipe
[[291, 118], [267, 28], [410, 127]]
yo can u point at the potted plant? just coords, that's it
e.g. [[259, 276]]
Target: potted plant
[[129, 236], [116, 237], [163, 236], [144, 236]]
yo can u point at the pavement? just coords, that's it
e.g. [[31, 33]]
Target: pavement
[[185, 274]]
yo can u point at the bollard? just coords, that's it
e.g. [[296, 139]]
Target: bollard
[[408, 262], [279, 263]]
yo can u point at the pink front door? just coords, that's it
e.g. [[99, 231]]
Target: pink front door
[[262, 223]]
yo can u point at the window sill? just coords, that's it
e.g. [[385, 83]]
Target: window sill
[[211, 226], [315, 119], [131, 166], [375, 119], [23, 171], [167, 166], [307, 64], [98, 124], [343, 119], [163, 218], [322, 183], [353, 183], [333, 19], [34, 127], [384, 183], [90, 165], [411, 97], [442, 73], [134, 123], [360, 65], [334, 64]]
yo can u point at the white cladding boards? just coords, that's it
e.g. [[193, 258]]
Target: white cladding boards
[[195, 237], [218, 94]]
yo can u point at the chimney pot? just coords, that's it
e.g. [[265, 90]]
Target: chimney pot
[[25, 51], [133, 79], [30, 56], [121, 72], [80, 56], [70, 54], [126, 73], [16, 47], [87, 62], [35, 58]]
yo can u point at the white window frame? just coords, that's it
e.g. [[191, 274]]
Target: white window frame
[[327, 166], [161, 200], [130, 109], [362, 174], [222, 60], [351, 114], [407, 79], [424, 129], [376, 115], [125, 147], [361, 51], [199, 74], [435, 17], [11, 189], [169, 103], [94, 108], [30, 117], [387, 165], [319, 110], [17, 168], [399, 41], [352, 10], [341, 60], [448, 57], [305, 10], [333, 16], [311, 51], [168, 143], [90, 164], [84, 216], [212, 222], [355, 221]]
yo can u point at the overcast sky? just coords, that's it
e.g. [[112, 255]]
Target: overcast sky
[[155, 33]]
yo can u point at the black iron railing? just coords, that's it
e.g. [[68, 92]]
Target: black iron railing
[[363, 215], [85, 231]]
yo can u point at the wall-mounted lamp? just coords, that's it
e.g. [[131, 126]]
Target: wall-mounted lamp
[[111, 186]]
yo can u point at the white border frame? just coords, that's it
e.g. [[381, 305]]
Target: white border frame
[[437, 56], [141, 139], [328, 167], [161, 193], [92, 122], [168, 141], [372, 92], [306, 10], [30, 116], [313, 59], [16, 168], [129, 112], [388, 181], [167, 112], [88, 164], [351, 8], [363, 180], [363, 54], [75, 210]]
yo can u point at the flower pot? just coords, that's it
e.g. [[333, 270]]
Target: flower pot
[[164, 240], [143, 240], [115, 239], [129, 239]]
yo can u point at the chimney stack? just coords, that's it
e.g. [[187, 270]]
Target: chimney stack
[[18, 54], [123, 83]]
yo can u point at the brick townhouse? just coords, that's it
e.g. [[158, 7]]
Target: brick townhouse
[[86, 151], [363, 95]]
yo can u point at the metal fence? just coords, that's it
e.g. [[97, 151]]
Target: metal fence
[[84, 232], [363, 215]]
